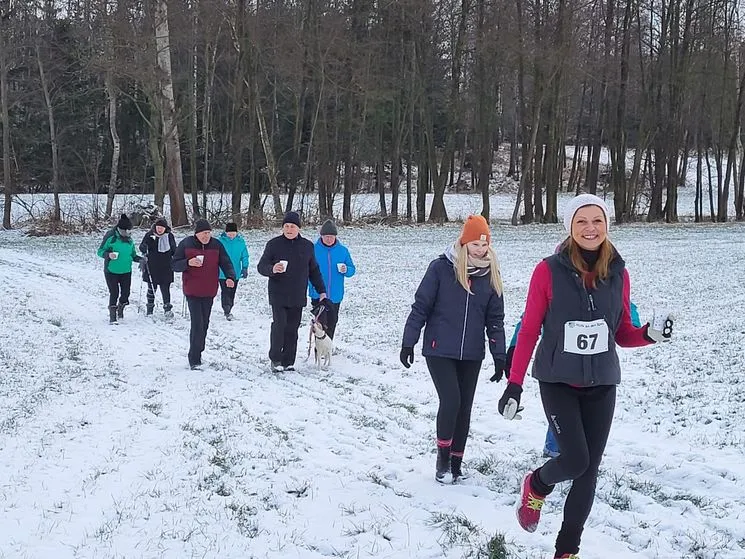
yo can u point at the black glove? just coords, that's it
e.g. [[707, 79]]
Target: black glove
[[508, 363], [244, 273], [407, 356], [512, 392], [499, 368]]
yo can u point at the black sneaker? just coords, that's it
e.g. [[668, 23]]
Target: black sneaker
[[456, 468], [196, 367], [276, 367], [289, 368], [442, 467]]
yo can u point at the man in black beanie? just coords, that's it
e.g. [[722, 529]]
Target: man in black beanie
[[200, 258], [289, 263]]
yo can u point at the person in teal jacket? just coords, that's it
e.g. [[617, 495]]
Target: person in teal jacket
[[235, 245], [550, 446], [118, 252], [336, 265]]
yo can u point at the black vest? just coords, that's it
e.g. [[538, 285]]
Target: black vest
[[571, 300]]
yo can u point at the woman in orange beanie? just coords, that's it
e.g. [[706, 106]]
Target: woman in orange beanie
[[458, 299]]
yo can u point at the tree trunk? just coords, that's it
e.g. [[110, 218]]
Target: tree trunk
[[194, 120], [113, 178], [52, 134], [173, 175], [7, 172], [209, 79], [271, 166]]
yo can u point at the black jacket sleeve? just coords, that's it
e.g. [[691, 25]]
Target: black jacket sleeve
[[179, 263], [266, 262], [143, 244], [172, 243], [314, 272], [225, 264]]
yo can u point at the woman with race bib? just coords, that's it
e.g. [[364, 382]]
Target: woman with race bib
[[580, 297]]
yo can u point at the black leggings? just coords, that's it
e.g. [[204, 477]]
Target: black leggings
[[165, 291], [455, 382], [119, 286], [581, 419], [227, 295]]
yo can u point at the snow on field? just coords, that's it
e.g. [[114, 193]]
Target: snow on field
[[111, 447]]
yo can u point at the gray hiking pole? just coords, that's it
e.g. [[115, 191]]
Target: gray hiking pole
[[139, 297]]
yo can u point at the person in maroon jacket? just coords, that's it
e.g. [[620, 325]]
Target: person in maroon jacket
[[580, 297], [200, 258]]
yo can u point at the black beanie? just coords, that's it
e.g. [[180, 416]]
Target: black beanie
[[202, 225], [291, 217], [230, 226], [329, 228], [162, 222], [124, 223]]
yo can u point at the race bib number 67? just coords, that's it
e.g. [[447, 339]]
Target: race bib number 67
[[586, 338]]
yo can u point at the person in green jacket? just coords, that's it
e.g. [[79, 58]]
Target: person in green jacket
[[118, 252], [235, 246]]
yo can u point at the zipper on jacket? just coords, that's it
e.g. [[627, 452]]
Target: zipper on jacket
[[465, 321], [328, 287]]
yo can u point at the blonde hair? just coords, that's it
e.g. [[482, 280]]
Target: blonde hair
[[602, 267], [461, 269]]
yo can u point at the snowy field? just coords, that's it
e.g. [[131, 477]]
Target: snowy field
[[111, 447]]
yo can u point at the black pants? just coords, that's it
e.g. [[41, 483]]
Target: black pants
[[165, 292], [119, 286], [455, 382], [227, 295], [200, 309], [285, 323], [581, 419], [333, 315]]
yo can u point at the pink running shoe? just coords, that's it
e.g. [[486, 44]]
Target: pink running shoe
[[529, 507]]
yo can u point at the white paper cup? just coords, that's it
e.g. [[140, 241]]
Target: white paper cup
[[113, 255], [200, 257], [284, 264], [340, 266]]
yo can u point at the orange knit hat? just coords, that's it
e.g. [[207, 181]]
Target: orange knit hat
[[476, 228]]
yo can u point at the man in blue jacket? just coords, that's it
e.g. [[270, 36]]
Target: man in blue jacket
[[335, 264]]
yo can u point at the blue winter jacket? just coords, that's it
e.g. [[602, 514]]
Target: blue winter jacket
[[237, 251], [455, 320], [328, 258]]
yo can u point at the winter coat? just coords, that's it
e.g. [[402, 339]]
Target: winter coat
[[202, 281], [237, 251], [328, 258], [558, 298], [114, 242], [456, 320], [289, 288], [158, 263]]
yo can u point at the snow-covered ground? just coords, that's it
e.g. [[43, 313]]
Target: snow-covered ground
[[111, 447]]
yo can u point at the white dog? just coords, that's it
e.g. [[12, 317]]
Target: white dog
[[324, 345]]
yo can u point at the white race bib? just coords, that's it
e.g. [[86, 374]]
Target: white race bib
[[586, 338]]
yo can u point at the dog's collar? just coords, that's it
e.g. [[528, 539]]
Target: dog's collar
[[319, 337]]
